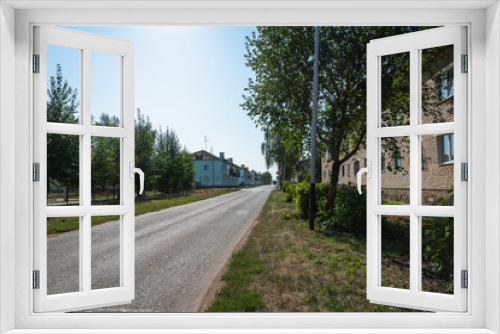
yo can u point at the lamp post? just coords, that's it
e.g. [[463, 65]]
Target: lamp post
[[312, 187]]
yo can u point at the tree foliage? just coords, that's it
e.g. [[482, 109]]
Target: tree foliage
[[279, 100], [62, 150], [172, 163]]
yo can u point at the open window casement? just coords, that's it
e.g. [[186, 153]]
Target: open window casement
[[421, 118], [68, 133]]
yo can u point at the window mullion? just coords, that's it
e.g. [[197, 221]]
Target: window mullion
[[415, 261], [86, 238]]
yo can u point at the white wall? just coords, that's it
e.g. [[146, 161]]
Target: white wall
[[7, 161], [492, 164]]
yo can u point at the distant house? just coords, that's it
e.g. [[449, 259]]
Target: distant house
[[213, 171]]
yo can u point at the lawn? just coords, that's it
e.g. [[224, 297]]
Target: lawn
[[285, 267], [65, 224]]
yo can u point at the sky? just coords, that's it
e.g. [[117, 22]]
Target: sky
[[189, 79]]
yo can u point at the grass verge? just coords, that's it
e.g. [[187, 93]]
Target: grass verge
[[66, 224], [284, 267]]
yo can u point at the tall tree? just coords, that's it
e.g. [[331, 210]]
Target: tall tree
[[280, 98], [106, 160], [62, 150], [145, 137]]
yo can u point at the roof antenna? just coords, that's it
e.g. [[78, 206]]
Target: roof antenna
[[206, 141]]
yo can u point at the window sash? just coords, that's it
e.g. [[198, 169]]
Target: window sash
[[86, 297], [414, 298]]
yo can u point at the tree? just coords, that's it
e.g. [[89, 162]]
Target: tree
[[276, 152], [145, 137], [62, 150], [172, 163], [106, 160], [279, 100], [266, 178]]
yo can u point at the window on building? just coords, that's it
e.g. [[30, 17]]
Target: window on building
[[343, 170], [397, 159], [348, 170], [445, 148], [382, 163], [366, 163], [444, 83], [356, 167], [206, 179], [205, 167]]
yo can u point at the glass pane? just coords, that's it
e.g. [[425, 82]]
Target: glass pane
[[438, 86], [63, 170], [396, 252], [105, 171], [437, 254], [63, 255], [395, 171], [395, 94], [63, 84], [105, 89], [105, 252], [437, 169]]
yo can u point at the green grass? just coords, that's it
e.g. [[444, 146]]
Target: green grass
[[66, 224], [285, 267]]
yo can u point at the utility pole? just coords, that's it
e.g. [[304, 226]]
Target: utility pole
[[312, 188]]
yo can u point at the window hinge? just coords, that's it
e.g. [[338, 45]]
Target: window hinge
[[464, 171], [36, 279], [464, 279], [36, 63], [465, 64], [36, 172]]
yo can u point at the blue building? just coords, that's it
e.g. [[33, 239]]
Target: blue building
[[213, 171]]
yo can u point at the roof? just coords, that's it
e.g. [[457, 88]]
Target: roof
[[206, 155]]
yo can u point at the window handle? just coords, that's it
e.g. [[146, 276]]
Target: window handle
[[368, 171], [134, 170]]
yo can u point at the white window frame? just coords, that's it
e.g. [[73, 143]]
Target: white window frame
[[86, 44], [484, 49], [414, 296]]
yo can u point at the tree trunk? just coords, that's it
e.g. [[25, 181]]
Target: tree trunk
[[66, 193], [334, 180]]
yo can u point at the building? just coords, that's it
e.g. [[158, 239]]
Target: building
[[437, 168], [213, 171]]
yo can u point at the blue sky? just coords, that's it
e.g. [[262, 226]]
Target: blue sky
[[190, 79]]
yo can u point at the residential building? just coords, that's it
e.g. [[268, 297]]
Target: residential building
[[213, 171]]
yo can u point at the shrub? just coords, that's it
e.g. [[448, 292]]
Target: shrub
[[349, 214], [302, 198], [437, 244]]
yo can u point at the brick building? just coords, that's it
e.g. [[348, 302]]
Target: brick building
[[437, 167]]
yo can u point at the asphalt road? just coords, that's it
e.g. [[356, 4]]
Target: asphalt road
[[179, 251]]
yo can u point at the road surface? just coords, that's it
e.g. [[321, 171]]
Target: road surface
[[179, 251]]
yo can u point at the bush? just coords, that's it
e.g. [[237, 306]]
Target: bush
[[437, 244], [302, 198], [349, 214]]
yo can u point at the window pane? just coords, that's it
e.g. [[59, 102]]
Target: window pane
[[395, 252], [63, 255], [395, 171], [63, 84], [437, 85], [105, 171], [437, 254], [395, 94], [437, 173], [106, 89], [63, 170], [105, 252]]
